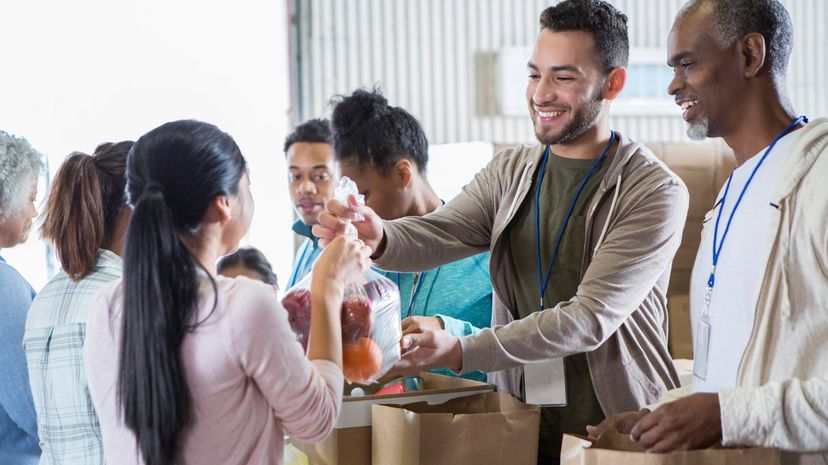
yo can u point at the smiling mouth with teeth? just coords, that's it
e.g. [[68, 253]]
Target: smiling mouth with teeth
[[687, 104], [548, 114]]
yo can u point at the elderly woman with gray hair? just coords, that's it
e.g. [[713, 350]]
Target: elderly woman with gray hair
[[20, 167]]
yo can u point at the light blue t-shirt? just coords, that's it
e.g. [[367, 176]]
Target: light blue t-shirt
[[18, 420], [306, 255], [459, 293]]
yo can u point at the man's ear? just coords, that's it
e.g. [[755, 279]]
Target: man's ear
[[614, 83], [220, 210], [402, 172], [753, 54]]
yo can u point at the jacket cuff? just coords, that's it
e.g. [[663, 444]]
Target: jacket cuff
[[389, 251], [477, 351], [745, 416], [670, 396]]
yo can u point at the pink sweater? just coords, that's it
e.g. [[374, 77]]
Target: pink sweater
[[250, 382]]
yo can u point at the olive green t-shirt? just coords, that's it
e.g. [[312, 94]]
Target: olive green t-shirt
[[561, 181]]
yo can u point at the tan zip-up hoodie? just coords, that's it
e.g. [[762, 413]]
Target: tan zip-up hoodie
[[782, 398], [618, 316]]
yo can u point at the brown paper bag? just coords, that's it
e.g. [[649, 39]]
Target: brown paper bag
[[485, 429], [613, 448]]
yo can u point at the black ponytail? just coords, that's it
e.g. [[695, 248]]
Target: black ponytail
[[173, 173]]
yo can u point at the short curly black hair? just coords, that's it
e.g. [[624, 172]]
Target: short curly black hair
[[607, 25], [376, 134], [312, 131]]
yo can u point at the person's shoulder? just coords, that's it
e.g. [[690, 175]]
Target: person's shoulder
[[105, 312], [13, 284], [813, 137], [245, 295], [54, 289], [644, 168], [9, 275], [516, 155], [247, 308]]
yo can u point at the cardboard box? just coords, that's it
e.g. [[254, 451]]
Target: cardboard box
[[486, 429], [704, 167], [680, 341], [617, 449], [679, 282], [350, 441]]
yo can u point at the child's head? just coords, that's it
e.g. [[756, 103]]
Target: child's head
[[249, 262]]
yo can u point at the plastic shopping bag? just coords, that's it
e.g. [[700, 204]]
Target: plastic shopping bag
[[371, 328]]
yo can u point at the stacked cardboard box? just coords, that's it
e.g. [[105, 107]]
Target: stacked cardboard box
[[704, 168]]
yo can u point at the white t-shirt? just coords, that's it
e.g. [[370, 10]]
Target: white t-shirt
[[741, 268]]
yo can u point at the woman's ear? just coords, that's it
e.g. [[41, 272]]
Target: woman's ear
[[402, 172], [615, 83], [220, 211]]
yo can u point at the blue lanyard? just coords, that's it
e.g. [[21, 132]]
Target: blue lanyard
[[717, 249], [415, 291], [544, 282]]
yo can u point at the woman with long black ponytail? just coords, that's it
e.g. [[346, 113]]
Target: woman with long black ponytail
[[187, 367]]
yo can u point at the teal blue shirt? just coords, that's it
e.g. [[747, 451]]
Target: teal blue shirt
[[459, 293], [306, 255]]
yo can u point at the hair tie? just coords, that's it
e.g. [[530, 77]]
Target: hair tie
[[154, 186]]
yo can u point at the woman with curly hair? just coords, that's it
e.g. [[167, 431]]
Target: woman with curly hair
[[20, 167]]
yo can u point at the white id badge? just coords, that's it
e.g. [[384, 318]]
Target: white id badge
[[545, 383], [701, 348]]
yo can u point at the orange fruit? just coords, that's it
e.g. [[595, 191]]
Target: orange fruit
[[361, 360]]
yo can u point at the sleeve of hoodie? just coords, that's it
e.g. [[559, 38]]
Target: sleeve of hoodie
[[643, 236], [791, 415], [459, 229]]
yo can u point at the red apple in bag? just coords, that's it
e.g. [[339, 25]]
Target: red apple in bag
[[375, 290], [357, 318], [298, 306]]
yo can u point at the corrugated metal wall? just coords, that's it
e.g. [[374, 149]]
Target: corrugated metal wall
[[436, 59]]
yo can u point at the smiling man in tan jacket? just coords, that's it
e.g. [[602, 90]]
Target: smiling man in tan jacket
[[759, 292], [582, 230]]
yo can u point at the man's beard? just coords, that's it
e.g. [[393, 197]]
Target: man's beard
[[582, 121], [699, 131]]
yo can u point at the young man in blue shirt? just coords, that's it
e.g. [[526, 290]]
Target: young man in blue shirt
[[311, 180]]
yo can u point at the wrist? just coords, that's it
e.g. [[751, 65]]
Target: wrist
[[456, 356], [330, 292], [718, 415]]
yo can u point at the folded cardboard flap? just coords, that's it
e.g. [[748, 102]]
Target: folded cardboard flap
[[478, 404], [618, 449], [433, 383], [356, 411]]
